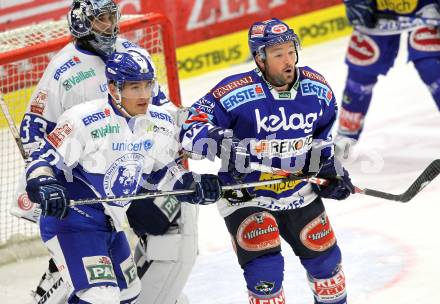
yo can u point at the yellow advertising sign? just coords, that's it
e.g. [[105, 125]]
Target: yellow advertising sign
[[227, 50]]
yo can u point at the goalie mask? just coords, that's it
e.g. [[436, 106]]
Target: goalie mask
[[268, 33], [95, 24], [131, 66]]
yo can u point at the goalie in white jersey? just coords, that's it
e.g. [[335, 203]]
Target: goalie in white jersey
[[75, 75], [111, 147]]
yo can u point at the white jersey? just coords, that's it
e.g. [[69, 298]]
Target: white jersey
[[72, 77], [99, 153]]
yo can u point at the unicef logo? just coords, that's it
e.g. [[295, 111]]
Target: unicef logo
[[148, 144], [133, 146], [123, 176]]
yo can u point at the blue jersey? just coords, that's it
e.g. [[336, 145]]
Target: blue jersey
[[280, 127]]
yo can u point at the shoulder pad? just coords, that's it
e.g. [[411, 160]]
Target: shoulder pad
[[161, 114], [231, 83], [63, 62], [91, 111], [309, 73]]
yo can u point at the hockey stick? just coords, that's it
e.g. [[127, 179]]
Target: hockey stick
[[428, 175], [12, 126], [392, 25], [189, 191]]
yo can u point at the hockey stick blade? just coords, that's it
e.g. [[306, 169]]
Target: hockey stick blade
[[428, 175]]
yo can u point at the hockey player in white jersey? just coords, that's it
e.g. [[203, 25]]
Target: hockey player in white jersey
[[110, 147], [74, 75]]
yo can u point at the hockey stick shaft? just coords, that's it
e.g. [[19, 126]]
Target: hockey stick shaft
[[186, 192], [428, 175], [12, 126]]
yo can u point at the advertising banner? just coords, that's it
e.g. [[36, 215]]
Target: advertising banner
[[17, 13], [227, 50]]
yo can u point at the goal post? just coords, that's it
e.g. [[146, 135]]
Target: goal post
[[24, 55]]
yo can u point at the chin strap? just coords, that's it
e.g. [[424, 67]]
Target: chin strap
[[118, 102]]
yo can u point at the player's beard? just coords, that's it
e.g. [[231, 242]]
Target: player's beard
[[283, 78]]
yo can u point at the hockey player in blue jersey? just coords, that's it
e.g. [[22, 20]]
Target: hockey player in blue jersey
[[279, 115], [370, 55], [111, 147]]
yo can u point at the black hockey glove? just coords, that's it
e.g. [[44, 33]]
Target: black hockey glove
[[361, 12], [230, 148], [50, 194], [207, 188], [339, 187]]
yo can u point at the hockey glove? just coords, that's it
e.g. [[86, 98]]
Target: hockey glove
[[361, 12], [228, 145], [339, 187], [50, 194], [207, 188]]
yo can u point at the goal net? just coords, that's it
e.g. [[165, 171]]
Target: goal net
[[24, 55]]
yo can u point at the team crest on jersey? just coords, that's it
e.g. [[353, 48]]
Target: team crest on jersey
[[123, 176], [243, 95], [311, 87], [362, 50]]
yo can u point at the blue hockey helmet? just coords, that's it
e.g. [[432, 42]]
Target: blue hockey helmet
[[128, 66], [81, 17], [270, 32]]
